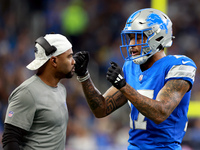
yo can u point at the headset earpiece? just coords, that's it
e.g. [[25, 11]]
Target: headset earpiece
[[45, 44]]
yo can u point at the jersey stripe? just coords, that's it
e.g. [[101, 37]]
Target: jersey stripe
[[181, 71]]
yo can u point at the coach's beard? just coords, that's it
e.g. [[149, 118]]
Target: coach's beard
[[69, 74]]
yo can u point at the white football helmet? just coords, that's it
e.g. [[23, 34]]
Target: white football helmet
[[153, 24]]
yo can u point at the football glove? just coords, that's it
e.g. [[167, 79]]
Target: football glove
[[82, 59], [116, 76]]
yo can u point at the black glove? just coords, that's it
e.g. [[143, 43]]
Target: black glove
[[82, 59], [116, 76]]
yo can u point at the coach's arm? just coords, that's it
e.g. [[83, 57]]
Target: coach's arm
[[12, 137]]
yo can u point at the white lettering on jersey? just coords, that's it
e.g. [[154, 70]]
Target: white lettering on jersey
[[140, 123]]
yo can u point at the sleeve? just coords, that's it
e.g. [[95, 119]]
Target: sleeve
[[21, 109], [12, 137], [183, 68]]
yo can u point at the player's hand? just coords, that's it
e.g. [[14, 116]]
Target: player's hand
[[82, 59], [116, 76]]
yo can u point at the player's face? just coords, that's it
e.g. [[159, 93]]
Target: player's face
[[65, 67], [136, 50]]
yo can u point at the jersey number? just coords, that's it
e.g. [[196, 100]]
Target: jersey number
[[140, 123]]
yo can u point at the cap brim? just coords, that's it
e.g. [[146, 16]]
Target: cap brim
[[36, 64]]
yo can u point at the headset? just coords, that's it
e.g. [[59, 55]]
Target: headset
[[46, 46]]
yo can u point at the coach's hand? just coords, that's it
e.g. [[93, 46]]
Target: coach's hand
[[115, 76], [82, 59]]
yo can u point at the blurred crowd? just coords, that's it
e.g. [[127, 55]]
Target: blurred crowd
[[95, 26]]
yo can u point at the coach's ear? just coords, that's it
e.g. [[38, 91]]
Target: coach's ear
[[53, 61]]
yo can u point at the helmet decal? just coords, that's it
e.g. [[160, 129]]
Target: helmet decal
[[156, 19], [130, 20]]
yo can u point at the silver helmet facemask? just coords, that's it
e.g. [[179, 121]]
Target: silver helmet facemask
[[152, 23]]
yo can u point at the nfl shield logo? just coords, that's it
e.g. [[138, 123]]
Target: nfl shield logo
[[140, 77], [10, 114]]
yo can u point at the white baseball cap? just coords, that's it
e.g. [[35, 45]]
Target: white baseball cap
[[59, 41]]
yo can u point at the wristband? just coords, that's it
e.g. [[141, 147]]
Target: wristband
[[82, 79]]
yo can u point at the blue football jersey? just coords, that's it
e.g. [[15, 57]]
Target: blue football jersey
[[144, 134]]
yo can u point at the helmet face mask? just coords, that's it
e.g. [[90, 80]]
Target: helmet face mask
[[153, 24]]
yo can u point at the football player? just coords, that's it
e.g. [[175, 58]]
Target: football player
[[157, 87]]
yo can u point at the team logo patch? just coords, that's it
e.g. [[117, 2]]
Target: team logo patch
[[10, 114], [156, 19]]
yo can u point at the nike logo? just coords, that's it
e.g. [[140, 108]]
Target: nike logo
[[184, 62]]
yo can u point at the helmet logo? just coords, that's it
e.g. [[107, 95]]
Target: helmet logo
[[156, 19], [130, 20]]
